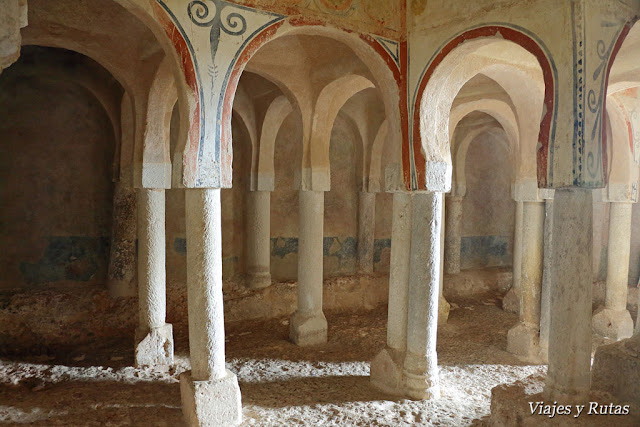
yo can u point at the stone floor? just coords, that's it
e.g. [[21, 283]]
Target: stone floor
[[281, 384]]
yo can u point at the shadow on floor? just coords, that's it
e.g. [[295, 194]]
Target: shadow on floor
[[311, 391]]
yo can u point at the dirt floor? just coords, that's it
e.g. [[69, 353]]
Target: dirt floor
[[281, 384]]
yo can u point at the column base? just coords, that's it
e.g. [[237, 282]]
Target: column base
[[211, 403], [443, 311], [511, 302], [154, 347], [419, 384], [307, 330], [613, 324], [386, 371], [258, 280], [616, 369], [524, 341]]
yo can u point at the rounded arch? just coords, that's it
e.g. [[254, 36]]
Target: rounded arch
[[329, 103], [383, 68], [430, 148], [496, 108], [462, 148], [156, 146], [623, 171], [277, 112]]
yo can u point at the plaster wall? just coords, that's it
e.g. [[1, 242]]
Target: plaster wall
[[488, 210]]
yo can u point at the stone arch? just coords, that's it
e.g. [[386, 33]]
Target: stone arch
[[383, 68], [623, 171], [438, 85], [278, 111], [329, 103], [244, 108], [375, 183], [459, 187], [496, 108], [156, 156]]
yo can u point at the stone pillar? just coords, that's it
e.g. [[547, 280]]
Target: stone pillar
[[259, 239], [614, 320], [568, 376], [121, 279], [545, 303], [210, 393], [443, 306], [154, 337], [308, 325], [386, 368], [453, 233], [523, 339], [511, 301], [421, 363], [366, 231]]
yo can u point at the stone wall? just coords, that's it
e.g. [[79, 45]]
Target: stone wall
[[57, 147], [488, 210]]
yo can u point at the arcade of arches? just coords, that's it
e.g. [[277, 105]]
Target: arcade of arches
[[339, 212]]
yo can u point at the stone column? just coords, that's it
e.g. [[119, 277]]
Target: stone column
[[443, 306], [545, 303], [386, 368], [523, 339], [121, 279], [614, 321], [366, 231], [259, 239], [453, 233], [210, 393], [568, 376], [308, 325], [511, 301], [154, 337], [421, 363]]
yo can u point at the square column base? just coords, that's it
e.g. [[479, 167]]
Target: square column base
[[511, 302], [613, 324], [154, 347], [258, 280], [211, 403], [524, 341], [308, 330], [616, 369], [443, 311], [386, 371]]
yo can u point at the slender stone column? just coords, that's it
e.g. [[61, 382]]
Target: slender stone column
[[308, 325], [545, 303], [568, 376], [511, 302], [421, 362], [366, 231], [121, 279], [210, 393], [386, 368], [523, 339], [259, 239], [443, 306], [614, 321], [154, 337], [453, 233]]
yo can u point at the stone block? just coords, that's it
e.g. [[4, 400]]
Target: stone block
[[386, 371], [211, 403], [154, 347], [614, 324], [308, 330]]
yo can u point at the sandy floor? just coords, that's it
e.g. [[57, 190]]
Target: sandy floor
[[281, 384]]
